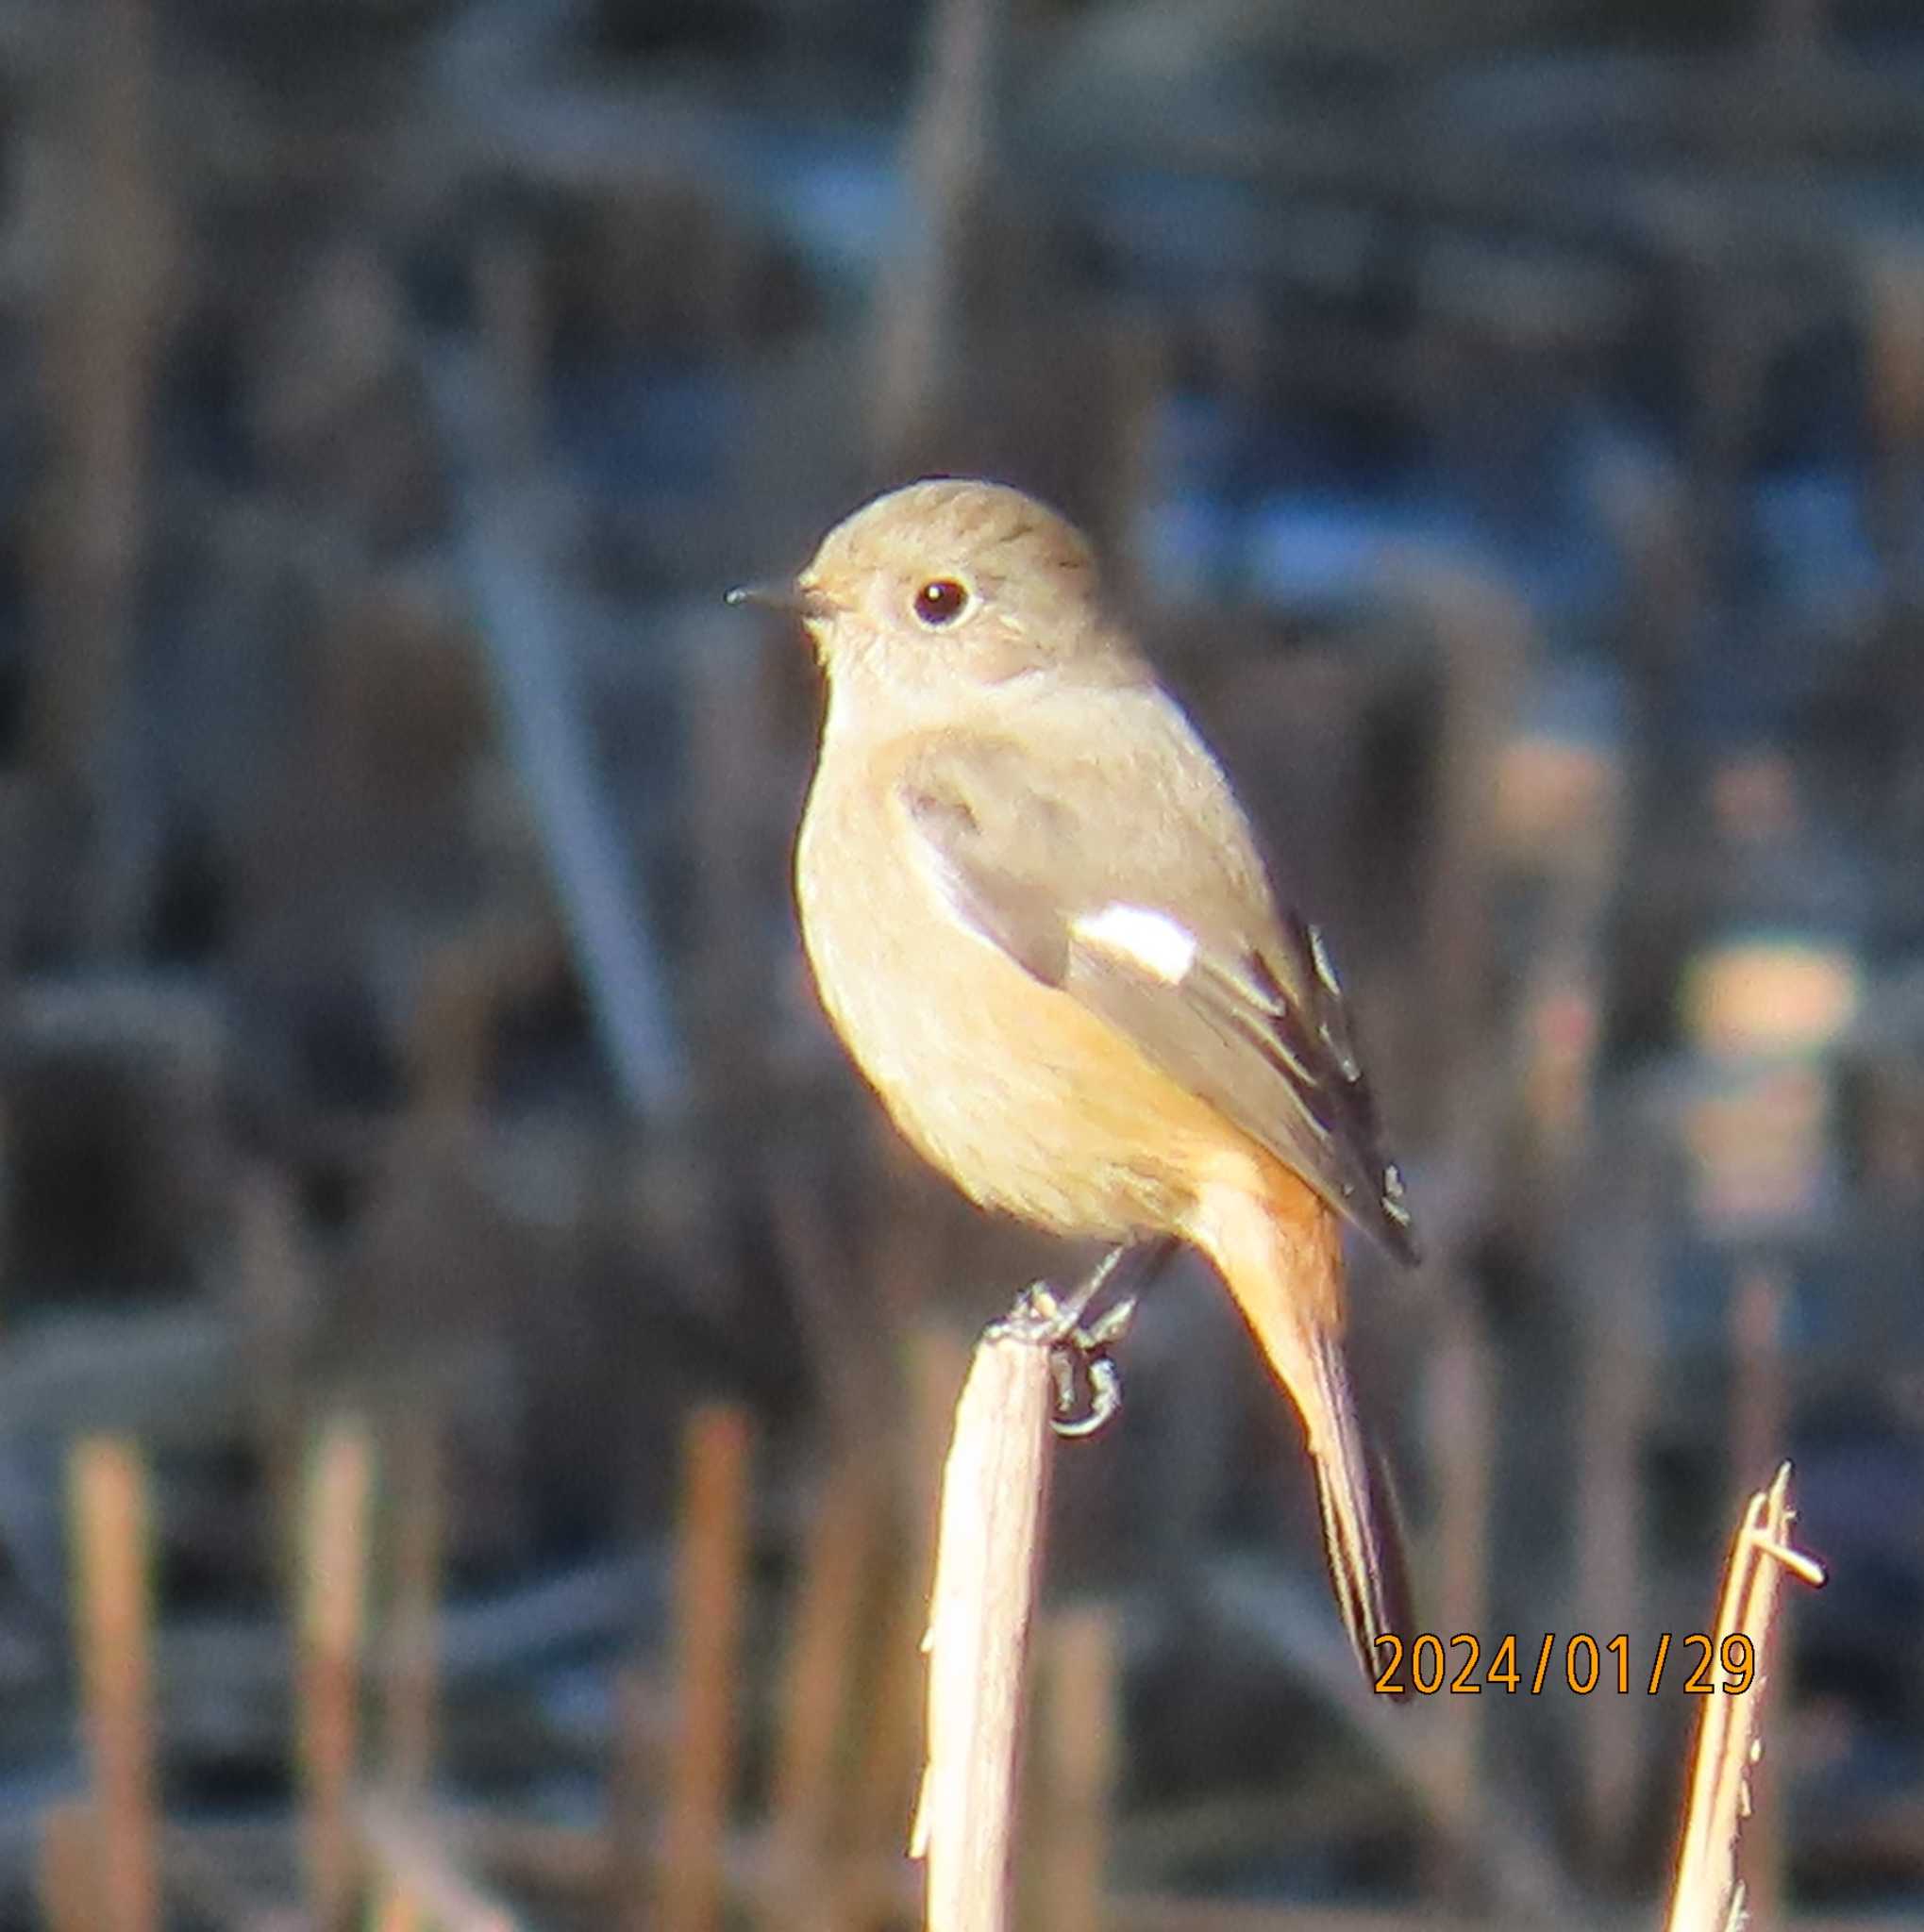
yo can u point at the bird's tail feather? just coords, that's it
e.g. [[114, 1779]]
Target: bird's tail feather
[[1363, 1536], [1283, 1261]]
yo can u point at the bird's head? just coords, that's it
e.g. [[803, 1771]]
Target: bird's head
[[948, 584]]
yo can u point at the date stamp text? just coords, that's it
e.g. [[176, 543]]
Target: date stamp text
[[1464, 1666]]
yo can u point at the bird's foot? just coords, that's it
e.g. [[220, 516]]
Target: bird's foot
[[1088, 1384]]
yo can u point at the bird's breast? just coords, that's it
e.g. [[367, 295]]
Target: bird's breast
[[1026, 1099]]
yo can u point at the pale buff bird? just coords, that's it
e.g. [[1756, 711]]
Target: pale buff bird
[[1038, 919]]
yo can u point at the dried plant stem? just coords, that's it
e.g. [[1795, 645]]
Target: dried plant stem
[[1082, 1751], [113, 1561], [993, 1492], [1709, 1895], [893, 1750], [708, 1592], [821, 1667], [333, 1632]]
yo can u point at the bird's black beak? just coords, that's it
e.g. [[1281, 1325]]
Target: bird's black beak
[[789, 597]]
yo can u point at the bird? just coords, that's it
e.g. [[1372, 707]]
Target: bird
[[1041, 924]]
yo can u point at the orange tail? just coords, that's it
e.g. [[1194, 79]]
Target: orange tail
[[1283, 1259]]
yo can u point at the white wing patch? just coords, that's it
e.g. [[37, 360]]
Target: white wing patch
[[1152, 941]]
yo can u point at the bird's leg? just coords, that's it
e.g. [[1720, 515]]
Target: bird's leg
[[1081, 1357]]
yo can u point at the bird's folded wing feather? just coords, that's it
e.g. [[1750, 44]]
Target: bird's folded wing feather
[[1191, 961]]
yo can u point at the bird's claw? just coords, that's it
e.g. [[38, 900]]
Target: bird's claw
[[1088, 1382], [1082, 1357]]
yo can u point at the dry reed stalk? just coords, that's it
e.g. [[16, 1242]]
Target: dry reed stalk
[[1082, 1750], [416, 1878], [67, 1870], [890, 1760], [993, 1489], [819, 1676], [1759, 1411], [332, 1638], [113, 1561], [710, 1588], [1709, 1894]]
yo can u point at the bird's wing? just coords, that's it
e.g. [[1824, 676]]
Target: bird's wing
[[1194, 965]]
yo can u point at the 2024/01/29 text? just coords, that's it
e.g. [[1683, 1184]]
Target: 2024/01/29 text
[[1424, 1665]]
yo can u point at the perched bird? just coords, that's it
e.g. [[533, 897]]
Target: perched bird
[[1038, 919]]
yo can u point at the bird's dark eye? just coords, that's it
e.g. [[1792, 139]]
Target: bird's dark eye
[[940, 601]]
